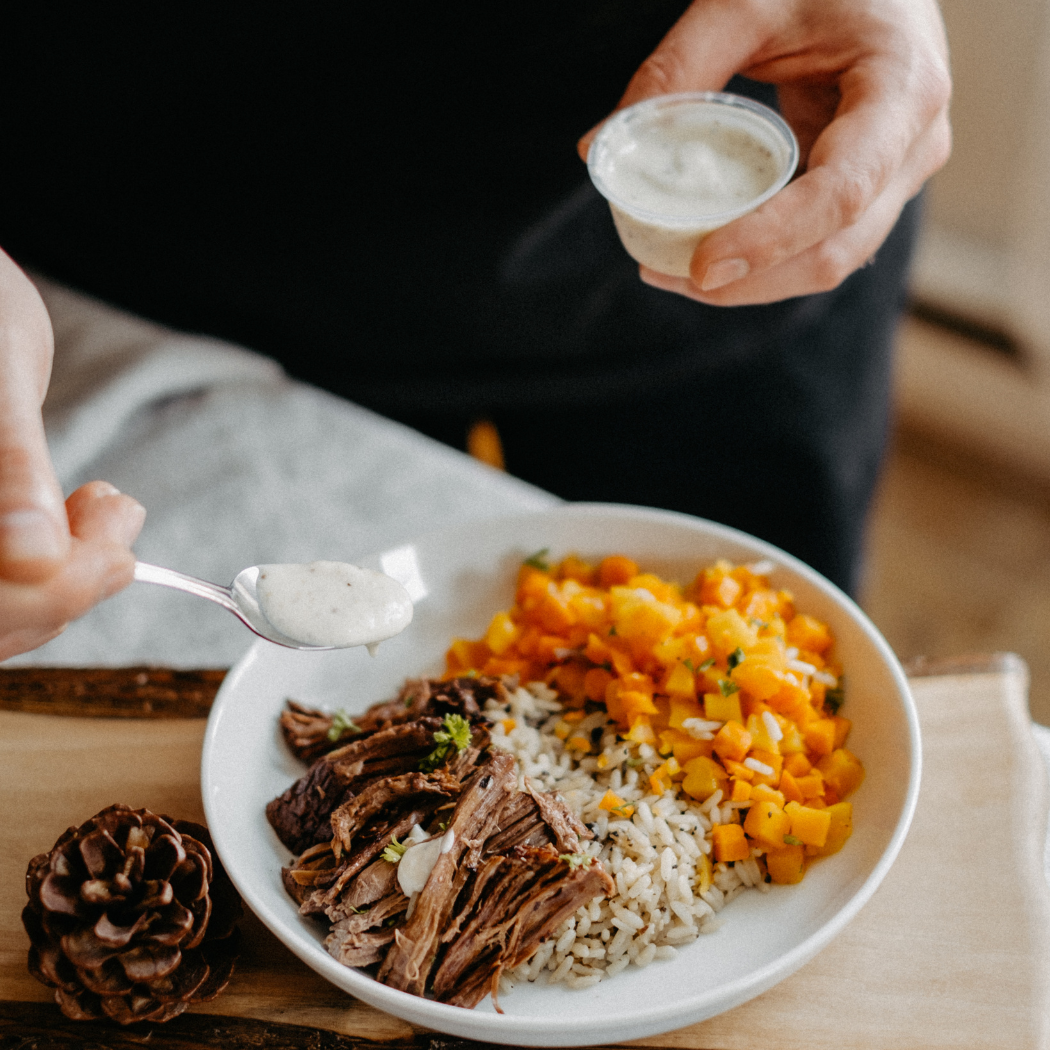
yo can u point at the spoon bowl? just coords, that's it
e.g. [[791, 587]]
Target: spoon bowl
[[241, 598]]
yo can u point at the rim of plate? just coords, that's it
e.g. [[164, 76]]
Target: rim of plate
[[635, 1022]]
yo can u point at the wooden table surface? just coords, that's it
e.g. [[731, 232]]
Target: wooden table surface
[[951, 952]]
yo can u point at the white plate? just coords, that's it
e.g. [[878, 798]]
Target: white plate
[[459, 578]]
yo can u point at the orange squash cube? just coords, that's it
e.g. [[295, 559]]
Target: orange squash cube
[[787, 865], [767, 824], [809, 825], [703, 777], [616, 570], [820, 736], [807, 632], [719, 708], [842, 772], [729, 843], [839, 830], [764, 793], [732, 741]]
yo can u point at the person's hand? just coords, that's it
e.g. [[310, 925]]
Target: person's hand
[[865, 86], [57, 559]]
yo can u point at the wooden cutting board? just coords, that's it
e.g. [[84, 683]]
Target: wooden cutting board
[[952, 951]]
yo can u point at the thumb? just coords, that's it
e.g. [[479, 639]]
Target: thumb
[[34, 529], [701, 51]]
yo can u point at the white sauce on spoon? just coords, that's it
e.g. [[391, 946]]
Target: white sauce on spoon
[[331, 603]]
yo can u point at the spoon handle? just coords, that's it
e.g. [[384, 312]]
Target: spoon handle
[[146, 573]]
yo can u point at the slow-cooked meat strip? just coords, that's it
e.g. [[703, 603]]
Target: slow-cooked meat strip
[[300, 816], [512, 870], [306, 729], [386, 796], [361, 939], [517, 901], [408, 962]]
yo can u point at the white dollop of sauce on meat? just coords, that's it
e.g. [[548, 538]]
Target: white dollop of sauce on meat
[[331, 603], [417, 862]]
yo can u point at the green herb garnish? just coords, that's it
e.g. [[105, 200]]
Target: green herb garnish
[[455, 734], [342, 724], [834, 698], [709, 662], [727, 688], [689, 664], [792, 840], [539, 560], [736, 657], [612, 630], [394, 851], [575, 860]]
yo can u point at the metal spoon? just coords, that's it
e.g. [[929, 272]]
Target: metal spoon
[[240, 598]]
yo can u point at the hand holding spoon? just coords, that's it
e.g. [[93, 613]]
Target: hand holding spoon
[[319, 605]]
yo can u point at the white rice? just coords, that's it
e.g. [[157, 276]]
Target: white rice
[[652, 857]]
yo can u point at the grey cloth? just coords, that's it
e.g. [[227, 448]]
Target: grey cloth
[[236, 464]]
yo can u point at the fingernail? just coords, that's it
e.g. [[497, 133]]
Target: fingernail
[[719, 274], [30, 535], [134, 519], [104, 488]]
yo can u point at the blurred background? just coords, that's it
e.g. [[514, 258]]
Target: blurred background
[[959, 549]]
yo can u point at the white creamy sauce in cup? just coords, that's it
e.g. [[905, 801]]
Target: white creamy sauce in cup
[[676, 167], [332, 603]]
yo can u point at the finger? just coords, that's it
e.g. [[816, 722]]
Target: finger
[[879, 136], [701, 51], [99, 513], [34, 534], [25, 641]]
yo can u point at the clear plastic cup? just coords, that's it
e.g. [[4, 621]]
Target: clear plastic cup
[[676, 167]]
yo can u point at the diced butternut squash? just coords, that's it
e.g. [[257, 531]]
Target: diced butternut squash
[[842, 772], [840, 828], [786, 865], [806, 632], [703, 777], [680, 683], [616, 570], [842, 728], [820, 736], [810, 826], [732, 741], [729, 631], [764, 793], [767, 824], [730, 843], [703, 874], [741, 790], [789, 788], [768, 758], [719, 708]]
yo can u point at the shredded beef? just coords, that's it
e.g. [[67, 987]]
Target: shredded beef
[[512, 873], [301, 815]]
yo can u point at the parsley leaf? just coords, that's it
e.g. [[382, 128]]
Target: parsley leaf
[[689, 664], [455, 734], [342, 724], [576, 860], [792, 840], [834, 698], [709, 662], [736, 657], [394, 851], [539, 560], [727, 688]]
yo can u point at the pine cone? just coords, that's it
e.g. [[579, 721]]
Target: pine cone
[[131, 918]]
